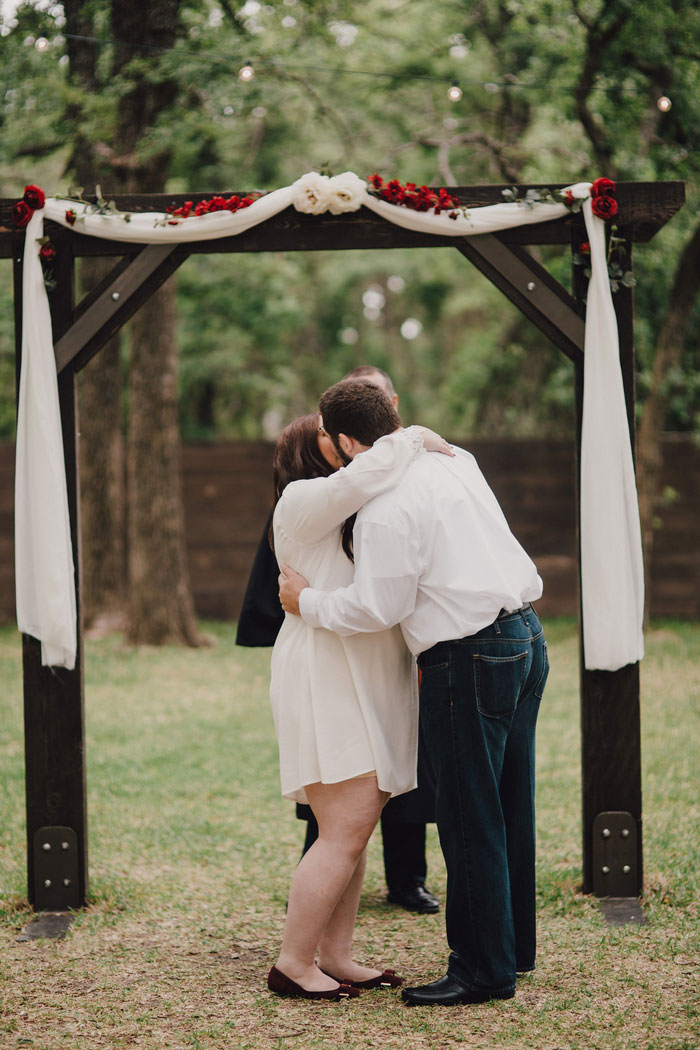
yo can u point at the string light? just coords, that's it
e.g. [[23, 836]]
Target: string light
[[247, 72]]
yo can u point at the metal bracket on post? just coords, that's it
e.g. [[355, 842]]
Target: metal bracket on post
[[56, 882], [615, 855], [616, 868]]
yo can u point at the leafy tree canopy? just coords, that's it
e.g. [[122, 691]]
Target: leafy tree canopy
[[553, 90]]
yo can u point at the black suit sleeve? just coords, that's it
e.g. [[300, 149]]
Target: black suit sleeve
[[261, 613]]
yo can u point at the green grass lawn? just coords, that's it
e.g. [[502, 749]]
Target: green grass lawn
[[192, 848]]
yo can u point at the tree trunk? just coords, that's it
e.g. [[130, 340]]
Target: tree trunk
[[159, 605], [160, 601], [669, 352], [101, 443]]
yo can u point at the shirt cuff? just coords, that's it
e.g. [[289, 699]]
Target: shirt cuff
[[309, 600]]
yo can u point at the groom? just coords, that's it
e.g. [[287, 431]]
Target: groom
[[435, 554]]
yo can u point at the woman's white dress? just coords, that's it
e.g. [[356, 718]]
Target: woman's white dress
[[341, 706]]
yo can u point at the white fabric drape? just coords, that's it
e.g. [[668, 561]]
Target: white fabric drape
[[610, 535], [44, 577], [612, 570]]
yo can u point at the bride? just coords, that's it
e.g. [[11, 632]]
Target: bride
[[345, 708]]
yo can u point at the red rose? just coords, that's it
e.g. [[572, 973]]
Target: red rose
[[34, 197], [584, 248], [47, 252], [603, 188], [181, 212], [71, 217], [604, 207], [569, 198], [21, 213], [376, 181]]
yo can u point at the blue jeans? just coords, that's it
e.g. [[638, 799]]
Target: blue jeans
[[479, 701]]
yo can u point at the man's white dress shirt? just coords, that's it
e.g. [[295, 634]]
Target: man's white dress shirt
[[434, 554]]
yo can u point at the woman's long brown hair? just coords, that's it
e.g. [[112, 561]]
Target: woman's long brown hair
[[298, 457]]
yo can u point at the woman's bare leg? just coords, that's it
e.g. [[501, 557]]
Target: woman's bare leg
[[347, 814], [335, 945]]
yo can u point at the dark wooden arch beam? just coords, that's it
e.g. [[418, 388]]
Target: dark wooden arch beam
[[54, 730], [115, 300], [530, 287]]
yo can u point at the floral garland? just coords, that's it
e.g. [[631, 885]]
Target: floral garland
[[315, 193], [604, 206], [231, 204], [417, 198], [34, 198], [602, 197]]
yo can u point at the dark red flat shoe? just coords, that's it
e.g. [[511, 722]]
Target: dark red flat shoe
[[280, 984], [388, 979]]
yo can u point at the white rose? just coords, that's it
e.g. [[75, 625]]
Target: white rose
[[347, 192], [311, 193]]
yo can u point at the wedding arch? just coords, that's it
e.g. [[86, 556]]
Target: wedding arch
[[152, 235]]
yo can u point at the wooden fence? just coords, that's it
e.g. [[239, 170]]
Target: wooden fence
[[227, 492]]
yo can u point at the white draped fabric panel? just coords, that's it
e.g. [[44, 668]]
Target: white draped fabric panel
[[612, 571], [610, 536], [44, 577]]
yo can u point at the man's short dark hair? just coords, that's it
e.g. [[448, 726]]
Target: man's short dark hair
[[365, 371], [358, 409]]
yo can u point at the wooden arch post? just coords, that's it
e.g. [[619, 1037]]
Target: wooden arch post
[[54, 737], [611, 751]]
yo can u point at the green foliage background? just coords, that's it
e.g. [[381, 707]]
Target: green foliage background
[[261, 335]]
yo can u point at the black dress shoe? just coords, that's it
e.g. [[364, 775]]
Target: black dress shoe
[[414, 898], [446, 992]]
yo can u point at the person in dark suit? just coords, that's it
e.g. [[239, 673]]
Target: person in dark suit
[[404, 817]]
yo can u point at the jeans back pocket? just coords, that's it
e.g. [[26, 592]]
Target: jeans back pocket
[[498, 681]]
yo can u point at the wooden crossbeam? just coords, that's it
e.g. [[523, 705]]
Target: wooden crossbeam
[[531, 287], [114, 301]]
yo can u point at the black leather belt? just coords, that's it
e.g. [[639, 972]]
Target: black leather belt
[[504, 613]]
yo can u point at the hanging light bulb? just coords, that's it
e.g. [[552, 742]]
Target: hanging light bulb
[[664, 103], [454, 93], [246, 72]]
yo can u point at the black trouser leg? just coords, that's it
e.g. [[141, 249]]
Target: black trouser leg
[[404, 854], [311, 834]]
